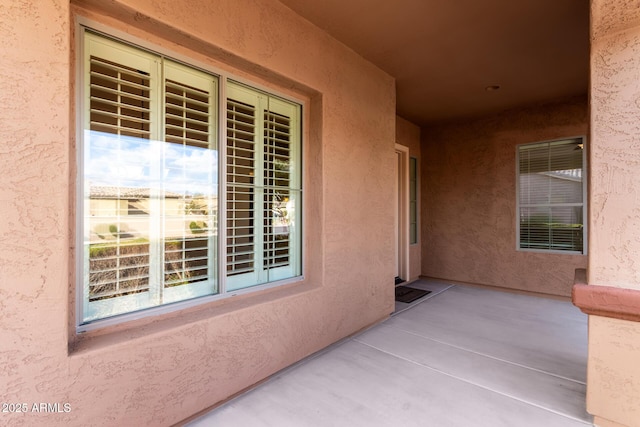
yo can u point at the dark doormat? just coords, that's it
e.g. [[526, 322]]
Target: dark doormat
[[408, 295]]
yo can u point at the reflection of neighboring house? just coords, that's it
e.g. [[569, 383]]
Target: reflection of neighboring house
[[112, 201], [566, 186], [126, 209], [574, 175], [551, 210]]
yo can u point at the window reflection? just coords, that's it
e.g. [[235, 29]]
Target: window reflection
[[150, 216]]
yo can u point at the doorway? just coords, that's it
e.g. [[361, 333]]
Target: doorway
[[401, 217]]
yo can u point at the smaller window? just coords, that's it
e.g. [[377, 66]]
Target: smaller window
[[551, 189], [413, 200]]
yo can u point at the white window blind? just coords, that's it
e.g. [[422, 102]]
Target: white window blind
[[551, 191]]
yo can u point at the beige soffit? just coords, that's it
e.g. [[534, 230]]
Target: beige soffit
[[444, 54]]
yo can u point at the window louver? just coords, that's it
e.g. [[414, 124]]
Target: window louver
[[277, 134], [186, 247], [187, 115], [119, 104], [119, 98], [240, 192]]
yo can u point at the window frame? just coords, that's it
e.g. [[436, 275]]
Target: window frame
[[585, 233], [222, 75]]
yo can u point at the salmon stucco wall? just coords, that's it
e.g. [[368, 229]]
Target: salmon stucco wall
[[408, 134], [613, 386], [469, 199], [161, 369]]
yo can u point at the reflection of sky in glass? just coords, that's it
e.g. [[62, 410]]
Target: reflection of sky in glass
[[124, 161]]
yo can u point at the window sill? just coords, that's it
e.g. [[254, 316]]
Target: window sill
[[551, 252], [96, 340]]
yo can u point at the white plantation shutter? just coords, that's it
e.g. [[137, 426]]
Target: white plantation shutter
[[243, 232], [121, 101], [190, 97], [281, 182], [189, 130], [121, 95], [150, 208], [277, 135], [551, 191], [263, 188]]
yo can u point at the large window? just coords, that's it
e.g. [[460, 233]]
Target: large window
[[154, 191], [551, 191]]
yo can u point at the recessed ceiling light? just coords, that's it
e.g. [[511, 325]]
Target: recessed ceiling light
[[492, 88]]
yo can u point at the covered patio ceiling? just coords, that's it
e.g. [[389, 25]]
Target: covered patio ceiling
[[447, 56]]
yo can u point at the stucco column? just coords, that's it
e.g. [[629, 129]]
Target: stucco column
[[612, 293]]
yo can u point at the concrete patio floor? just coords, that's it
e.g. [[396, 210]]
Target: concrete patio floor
[[461, 357]]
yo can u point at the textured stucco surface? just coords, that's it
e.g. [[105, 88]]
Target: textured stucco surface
[[613, 387], [615, 155], [611, 16], [34, 154], [469, 199], [408, 134], [161, 370]]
